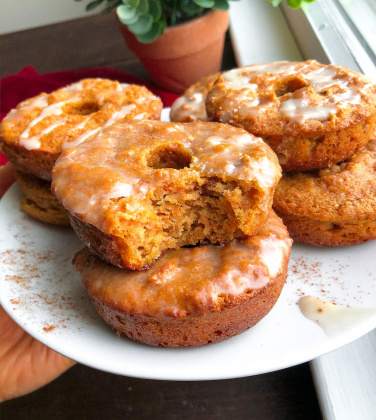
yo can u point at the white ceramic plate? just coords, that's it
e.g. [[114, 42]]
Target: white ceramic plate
[[44, 295]]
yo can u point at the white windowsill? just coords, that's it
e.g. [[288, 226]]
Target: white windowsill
[[345, 379], [260, 33]]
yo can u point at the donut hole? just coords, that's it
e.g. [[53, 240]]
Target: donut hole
[[289, 85], [174, 157], [85, 108]]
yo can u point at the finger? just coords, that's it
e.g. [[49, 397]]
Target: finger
[[26, 364], [6, 177]]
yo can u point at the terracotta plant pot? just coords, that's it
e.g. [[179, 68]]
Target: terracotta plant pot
[[184, 53]]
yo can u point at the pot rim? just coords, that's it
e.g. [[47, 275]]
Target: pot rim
[[170, 43], [205, 15]]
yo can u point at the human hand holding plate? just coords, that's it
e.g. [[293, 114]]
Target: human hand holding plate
[[26, 363]]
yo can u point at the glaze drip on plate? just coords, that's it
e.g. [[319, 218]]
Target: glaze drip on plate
[[335, 320]]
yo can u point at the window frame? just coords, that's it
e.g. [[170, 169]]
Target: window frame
[[325, 34]]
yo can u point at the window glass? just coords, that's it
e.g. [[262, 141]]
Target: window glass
[[362, 14]]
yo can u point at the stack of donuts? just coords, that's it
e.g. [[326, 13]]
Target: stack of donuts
[[34, 134], [182, 248], [320, 121], [182, 245]]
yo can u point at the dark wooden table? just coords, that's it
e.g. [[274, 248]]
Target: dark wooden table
[[85, 393]]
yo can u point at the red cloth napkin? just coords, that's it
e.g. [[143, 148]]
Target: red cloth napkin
[[28, 83]]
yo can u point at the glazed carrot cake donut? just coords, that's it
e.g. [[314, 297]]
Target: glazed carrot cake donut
[[191, 105], [136, 190], [312, 115], [335, 206], [39, 202], [33, 134], [192, 296]]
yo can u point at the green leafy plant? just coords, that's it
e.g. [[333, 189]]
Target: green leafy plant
[[294, 4], [147, 19]]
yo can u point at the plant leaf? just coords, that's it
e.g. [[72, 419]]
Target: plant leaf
[[92, 5], [131, 20], [205, 3], [275, 3], [143, 7], [142, 26], [190, 8], [294, 4], [131, 4], [221, 5], [155, 9], [304, 7], [155, 32], [124, 13], [108, 8]]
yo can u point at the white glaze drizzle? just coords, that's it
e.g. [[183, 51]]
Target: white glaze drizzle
[[246, 102], [82, 124], [56, 108], [11, 114], [321, 78], [238, 278], [218, 155], [123, 111], [192, 106], [122, 87], [140, 117], [335, 320], [228, 154], [81, 138], [299, 110], [40, 102], [75, 87], [230, 269], [272, 254], [25, 106], [239, 78], [31, 143], [53, 109]]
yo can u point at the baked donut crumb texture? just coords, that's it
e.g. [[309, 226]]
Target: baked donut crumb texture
[[165, 185], [335, 206], [192, 296], [39, 202]]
